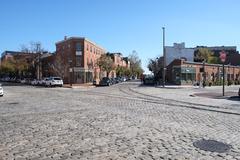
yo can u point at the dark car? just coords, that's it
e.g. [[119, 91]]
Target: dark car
[[105, 81], [118, 80], [239, 92], [113, 81], [149, 80]]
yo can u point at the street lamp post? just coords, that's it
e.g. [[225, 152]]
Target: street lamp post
[[204, 74], [70, 71], [164, 57], [223, 59], [38, 51], [223, 89]]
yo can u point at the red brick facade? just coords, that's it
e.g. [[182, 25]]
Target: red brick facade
[[184, 72], [81, 55], [119, 61]]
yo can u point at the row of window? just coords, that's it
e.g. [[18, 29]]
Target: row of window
[[79, 48], [93, 50]]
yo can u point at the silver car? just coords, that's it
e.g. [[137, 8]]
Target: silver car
[[1, 91]]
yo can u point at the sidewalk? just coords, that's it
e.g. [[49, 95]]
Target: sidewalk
[[175, 86], [196, 87], [215, 95], [85, 85]]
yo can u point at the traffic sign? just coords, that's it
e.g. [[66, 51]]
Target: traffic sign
[[223, 56]]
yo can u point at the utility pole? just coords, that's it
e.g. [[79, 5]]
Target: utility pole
[[38, 52], [164, 57]]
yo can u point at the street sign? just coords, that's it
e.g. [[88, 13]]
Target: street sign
[[222, 56], [223, 59]]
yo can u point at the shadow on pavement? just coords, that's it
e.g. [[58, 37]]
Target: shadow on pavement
[[228, 95], [234, 98], [11, 84]]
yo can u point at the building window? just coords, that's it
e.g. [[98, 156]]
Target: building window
[[78, 47], [91, 49], [87, 47], [78, 61]]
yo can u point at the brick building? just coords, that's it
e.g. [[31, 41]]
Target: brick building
[[119, 61], [79, 56], [185, 72], [33, 60], [7, 55]]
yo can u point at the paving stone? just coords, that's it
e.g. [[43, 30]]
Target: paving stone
[[107, 123]]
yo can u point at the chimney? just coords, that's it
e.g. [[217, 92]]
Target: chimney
[[65, 37]]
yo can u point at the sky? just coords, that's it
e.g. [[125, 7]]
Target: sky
[[121, 25]]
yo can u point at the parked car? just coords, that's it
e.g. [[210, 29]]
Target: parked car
[[129, 78], [34, 82], [42, 82], [113, 81], [1, 91], [54, 81], [13, 79], [94, 82], [118, 80], [6, 79], [23, 81], [148, 80], [105, 81], [239, 92]]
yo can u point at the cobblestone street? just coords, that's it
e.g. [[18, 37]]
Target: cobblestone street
[[124, 121]]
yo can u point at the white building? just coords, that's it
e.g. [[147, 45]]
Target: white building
[[178, 51]]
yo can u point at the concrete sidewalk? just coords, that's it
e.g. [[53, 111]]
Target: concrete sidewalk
[[87, 85], [215, 95]]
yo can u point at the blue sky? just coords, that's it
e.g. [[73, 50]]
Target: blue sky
[[120, 25]]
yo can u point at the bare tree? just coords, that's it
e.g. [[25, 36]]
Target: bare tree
[[32, 47], [60, 67], [135, 64], [25, 49]]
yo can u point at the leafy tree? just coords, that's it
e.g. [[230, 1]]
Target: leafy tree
[[135, 64], [120, 70], [123, 71], [7, 67], [127, 72], [154, 65], [105, 63], [20, 65], [17, 66]]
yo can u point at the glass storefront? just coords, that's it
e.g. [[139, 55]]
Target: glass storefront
[[184, 75], [83, 76]]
